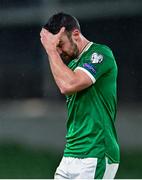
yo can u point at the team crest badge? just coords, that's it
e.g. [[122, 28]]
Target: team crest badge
[[96, 58]]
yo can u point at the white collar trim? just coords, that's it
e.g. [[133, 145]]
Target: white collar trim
[[84, 50]]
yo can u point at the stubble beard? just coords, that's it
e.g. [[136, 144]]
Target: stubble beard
[[66, 57]]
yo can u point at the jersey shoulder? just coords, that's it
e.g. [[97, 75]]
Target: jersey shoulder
[[98, 52], [102, 49], [105, 52]]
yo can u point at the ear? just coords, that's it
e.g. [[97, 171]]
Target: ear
[[75, 34]]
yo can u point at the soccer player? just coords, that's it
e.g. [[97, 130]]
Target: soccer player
[[86, 72]]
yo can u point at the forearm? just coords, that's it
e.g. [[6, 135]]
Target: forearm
[[67, 80], [64, 77]]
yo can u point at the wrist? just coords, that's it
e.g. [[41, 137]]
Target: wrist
[[53, 55], [51, 52]]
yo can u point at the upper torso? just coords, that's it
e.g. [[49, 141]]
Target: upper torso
[[92, 111]]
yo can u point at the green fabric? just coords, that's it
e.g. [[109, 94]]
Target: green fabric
[[92, 111], [100, 169]]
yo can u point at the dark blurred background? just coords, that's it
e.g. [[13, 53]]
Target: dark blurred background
[[32, 111]]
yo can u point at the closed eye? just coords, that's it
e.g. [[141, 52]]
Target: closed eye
[[60, 45]]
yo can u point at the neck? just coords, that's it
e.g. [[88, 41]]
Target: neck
[[83, 44]]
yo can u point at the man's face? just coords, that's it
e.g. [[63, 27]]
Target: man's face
[[67, 48]]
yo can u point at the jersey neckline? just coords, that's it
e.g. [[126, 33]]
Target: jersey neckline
[[84, 50]]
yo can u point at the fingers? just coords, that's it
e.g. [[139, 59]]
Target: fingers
[[45, 31], [45, 34], [42, 34]]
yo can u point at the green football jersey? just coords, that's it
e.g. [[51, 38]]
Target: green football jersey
[[92, 111]]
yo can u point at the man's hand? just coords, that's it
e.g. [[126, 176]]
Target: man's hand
[[49, 40], [67, 80]]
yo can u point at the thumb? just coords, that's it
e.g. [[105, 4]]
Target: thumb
[[61, 31]]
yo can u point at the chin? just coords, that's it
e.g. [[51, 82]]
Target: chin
[[67, 61]]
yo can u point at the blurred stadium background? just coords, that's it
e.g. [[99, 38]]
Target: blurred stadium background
[[32, 111]]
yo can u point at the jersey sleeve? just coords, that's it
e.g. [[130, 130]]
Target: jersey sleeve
[[96, 65]]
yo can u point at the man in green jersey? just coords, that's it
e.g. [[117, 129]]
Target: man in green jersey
[[89, 83]]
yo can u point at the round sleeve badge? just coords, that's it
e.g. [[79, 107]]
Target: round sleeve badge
[[96, 58]]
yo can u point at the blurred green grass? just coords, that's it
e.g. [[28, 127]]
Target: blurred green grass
[[22, 162], [130, 165]]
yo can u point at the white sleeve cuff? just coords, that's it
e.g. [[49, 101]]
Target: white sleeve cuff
[[88, 73]]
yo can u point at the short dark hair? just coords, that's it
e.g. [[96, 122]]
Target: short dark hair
[[59, 20]]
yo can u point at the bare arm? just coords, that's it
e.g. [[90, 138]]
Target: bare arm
[[67, 80]]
